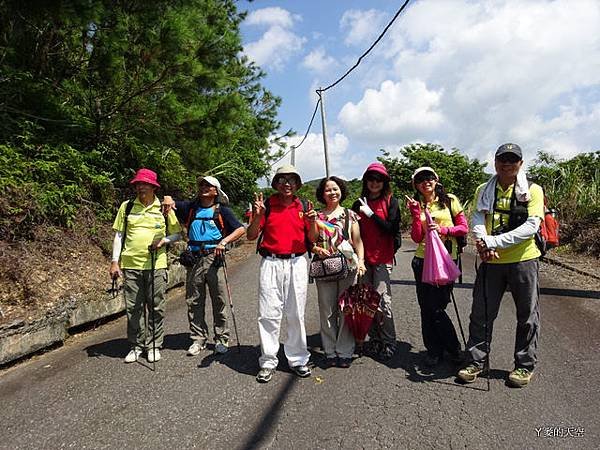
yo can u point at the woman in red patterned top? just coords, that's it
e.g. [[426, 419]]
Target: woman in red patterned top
[[379, 222]]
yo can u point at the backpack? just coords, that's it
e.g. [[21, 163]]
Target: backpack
[[549, 229], [128, 209], [547, 235], [398, 233], [268, 211], [461, 241], [217, 218]]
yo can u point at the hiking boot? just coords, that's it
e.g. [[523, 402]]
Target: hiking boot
[[133, 355], [221, 347], [154, 355], [520, 377], [196, 348], [302, 371], [470, 373], [264, 375]]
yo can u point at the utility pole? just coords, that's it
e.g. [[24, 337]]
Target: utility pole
[[293, 156], [324, 128]]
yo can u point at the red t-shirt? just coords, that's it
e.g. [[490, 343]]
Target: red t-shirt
[[285, 228], [378, 245]]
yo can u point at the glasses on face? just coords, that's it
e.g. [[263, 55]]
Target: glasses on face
[[285, 180], [204, 184], [425, 177], [508, 158]]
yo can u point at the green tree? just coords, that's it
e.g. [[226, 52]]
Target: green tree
[[459, 174], [125, 84]]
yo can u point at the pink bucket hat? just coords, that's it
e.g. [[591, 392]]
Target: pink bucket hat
[[378, 168], [145, 176]]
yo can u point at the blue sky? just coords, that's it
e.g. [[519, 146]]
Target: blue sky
[[460, 73]]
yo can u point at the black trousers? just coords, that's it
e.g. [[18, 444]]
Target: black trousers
[[437, 328]]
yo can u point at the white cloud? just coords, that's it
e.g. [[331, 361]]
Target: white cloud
[[310, 157], [500, 70], [319, 62], [397, 111], [362, 27], [271, 17], [279, 43]]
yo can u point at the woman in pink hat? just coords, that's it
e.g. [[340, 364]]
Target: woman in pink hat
[[379, 223], [437, 329], [139, 226]]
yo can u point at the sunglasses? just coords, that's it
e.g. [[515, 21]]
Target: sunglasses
[[375, 178], [425, 177], [285, 180], [508, 158], [205, 184]]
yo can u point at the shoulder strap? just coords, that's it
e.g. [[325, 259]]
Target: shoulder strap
[[218, 219], [346, 231], [128, 209]]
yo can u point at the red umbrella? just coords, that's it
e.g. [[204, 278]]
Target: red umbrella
[[359, 304]]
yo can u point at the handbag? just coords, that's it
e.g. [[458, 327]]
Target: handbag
[[331, 268]]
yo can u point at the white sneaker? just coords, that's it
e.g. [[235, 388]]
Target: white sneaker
[[133, 355], [221, 348], [196, 348], [153, 355]]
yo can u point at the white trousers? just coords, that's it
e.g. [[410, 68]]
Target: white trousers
[[282, 287]]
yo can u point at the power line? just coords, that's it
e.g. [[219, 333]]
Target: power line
[[305, 134], [319, 91], [368, 50]]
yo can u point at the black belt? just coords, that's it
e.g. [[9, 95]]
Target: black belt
[[203, 252], [268, 254]]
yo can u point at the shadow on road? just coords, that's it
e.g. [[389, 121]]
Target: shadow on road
[[264, 426], [578, 293], [242, 359], [115, 348]]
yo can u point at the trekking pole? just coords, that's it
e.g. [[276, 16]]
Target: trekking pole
[[237, 336], [462, 333], [152, 268], [486, 364]]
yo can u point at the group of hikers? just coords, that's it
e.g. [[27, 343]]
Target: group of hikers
[[507, 214]]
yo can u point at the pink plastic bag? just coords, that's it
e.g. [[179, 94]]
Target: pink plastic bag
[[438, 267]]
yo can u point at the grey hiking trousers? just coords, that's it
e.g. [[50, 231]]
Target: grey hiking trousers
[[490, 284], [207, 272], [137, 290]]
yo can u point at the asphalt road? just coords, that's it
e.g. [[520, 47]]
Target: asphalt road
[[83, 396]]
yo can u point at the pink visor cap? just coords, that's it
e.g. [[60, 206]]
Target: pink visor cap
[[145, 176], [377, 168]]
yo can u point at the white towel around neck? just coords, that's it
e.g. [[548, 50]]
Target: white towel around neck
[[485, 202]]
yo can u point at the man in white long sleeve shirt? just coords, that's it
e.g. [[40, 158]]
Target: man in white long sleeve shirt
[[139, 225], [506, 219]]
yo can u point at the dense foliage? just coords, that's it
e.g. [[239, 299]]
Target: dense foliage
[[572, 187], [92, 90]]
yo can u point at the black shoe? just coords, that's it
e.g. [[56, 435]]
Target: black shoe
[[456, 357], [431, 360]]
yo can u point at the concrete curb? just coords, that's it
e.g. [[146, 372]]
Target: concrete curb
[[19, 339]]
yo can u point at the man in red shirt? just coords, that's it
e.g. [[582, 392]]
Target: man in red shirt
[[283, 274]]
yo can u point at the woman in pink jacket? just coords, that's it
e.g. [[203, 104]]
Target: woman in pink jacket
[[450, 222]]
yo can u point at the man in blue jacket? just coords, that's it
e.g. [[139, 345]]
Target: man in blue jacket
[[211, 226]]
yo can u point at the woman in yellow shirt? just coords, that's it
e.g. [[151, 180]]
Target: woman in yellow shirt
[[450, 222]]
